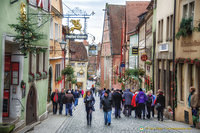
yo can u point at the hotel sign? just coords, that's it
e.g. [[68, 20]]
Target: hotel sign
[[77, 36], [134, 50]]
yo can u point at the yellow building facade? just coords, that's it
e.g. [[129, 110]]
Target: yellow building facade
[[56, 54], [187, 58]]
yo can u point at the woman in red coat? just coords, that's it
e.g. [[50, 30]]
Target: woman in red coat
[[134, 104]]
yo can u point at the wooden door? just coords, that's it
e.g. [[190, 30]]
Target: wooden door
[[31, 115]]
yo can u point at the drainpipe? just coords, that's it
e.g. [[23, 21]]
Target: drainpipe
[[174, 67]]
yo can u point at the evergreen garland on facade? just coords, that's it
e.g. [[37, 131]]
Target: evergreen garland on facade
[[26, 35]]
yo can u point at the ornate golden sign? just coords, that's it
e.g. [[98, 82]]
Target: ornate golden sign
[[23, 11], [77, 26]]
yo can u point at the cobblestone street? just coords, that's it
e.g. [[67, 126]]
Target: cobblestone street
[[77, 124]]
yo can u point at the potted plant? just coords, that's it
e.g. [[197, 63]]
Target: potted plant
[[59, 80], [44, 75]]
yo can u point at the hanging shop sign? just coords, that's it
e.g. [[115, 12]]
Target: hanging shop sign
[[77, 36], [134, 50], [144, 57], [15, 73]]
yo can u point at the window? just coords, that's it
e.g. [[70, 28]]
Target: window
[[171, 26], [72, 64], [37, 62], [32, 2], [30, 62], [44, 61], [158, 31], [185, 11], [45, 5], [56, 31], [191, 9], [51, 28], [191, 75], [168, 33], [57, 72], [161, 30], [181, 82]]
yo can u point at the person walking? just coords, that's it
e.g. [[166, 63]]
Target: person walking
[[54, 98], [117, 100], [68, 99], [60, 97], [160, 104], [89, 106], [133, 103], [82, 92], [141, 99], [107, 108], [149, 103], [128, 95], [194, 103], [76, 97]]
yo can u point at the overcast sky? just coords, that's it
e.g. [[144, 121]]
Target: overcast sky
[[95, 23]]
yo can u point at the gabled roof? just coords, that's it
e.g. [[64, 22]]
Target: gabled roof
[[133, 10], [78, 52], [116, 18]]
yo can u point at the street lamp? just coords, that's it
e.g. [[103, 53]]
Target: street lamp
[[63, 47]]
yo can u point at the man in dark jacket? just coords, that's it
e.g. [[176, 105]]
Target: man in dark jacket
[[117, 100], [76, 96], [128, 98], [54, 98], [68, 99], [107, 107], [160, 104], [141, 99], [60, 97]]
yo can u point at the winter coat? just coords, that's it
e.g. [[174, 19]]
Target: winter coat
[[149, 100], [60, 97], [107, 103], [89, 102], [141, 97], [53, 98], [133, 102], [195, 101], [128, 97], [76, 94], [68, 98], [117, 99], [160, 99]]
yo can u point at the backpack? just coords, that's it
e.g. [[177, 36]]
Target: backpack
[[149, 100]]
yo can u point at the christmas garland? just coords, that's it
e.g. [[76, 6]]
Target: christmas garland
[[26, 35]]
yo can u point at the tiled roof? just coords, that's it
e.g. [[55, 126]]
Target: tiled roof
[[133, 10], [117, 17], [78, 51]]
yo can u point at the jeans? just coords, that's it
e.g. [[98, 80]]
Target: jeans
[[68, 108], [129, 108], [55, 108], [141, 109], [117, 112], [76, 102], [89, 116], [160, 114], [107, 117], [60, 108]]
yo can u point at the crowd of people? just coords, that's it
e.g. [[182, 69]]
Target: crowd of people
[[141, 102]]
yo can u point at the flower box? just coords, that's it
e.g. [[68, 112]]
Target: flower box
[[31, 77], [38, 76]]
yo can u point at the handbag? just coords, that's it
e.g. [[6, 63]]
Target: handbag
[[158, 106], [93, 109]]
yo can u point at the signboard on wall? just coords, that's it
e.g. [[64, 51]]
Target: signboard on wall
[[77, 36], [144, 57], [134, 50]]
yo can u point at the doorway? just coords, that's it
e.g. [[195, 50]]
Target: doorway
[[49, 85], [31, 115]]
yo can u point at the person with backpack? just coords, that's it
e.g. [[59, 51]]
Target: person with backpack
[[141, 99], [117, 100], [76, 96], [55, 100], [149, 103], [160, 104], [128, 95]]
